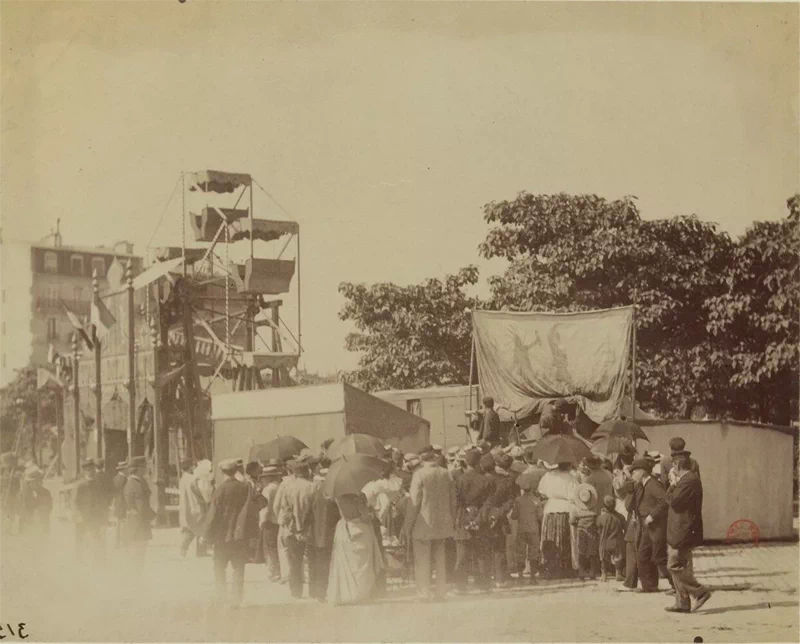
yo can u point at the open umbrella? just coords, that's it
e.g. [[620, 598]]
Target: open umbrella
[[350, 473], [356, 444], [279, 448], [622, 427], [559, 448]]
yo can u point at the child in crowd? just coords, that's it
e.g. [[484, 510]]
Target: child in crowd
[[583, 518], [611, 534], [528, 512]]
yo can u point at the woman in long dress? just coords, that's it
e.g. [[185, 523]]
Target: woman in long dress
[[356, 562], [558, 487]]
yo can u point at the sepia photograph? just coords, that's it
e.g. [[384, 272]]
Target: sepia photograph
[[360, 321]]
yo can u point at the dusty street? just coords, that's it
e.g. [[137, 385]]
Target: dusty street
[[169, 600]]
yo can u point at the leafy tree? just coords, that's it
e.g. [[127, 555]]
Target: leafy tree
[[757, 318], [581, 252], [410, 336], [22, 405]]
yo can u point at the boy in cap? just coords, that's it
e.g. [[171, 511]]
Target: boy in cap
[[611, 533], [528, 512]]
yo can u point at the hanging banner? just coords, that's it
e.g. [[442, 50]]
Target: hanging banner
[[526, 360]]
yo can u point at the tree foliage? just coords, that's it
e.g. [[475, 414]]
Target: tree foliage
[[717, 319], [410, 336], [22, 404]]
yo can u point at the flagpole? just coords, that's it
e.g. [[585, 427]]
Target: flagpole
[[98, 391], [633, 370], [131, 359], [76, 398]]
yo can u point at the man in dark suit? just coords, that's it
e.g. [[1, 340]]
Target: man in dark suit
[[139, 513], [472, 547], [89, 505], [496, 510], [649, 503], [684, 532], [226, 527]]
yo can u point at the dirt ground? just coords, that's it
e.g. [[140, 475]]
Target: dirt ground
[[168, 600]]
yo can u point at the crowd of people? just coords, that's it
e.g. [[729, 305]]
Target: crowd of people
[[478, 513], [481, 513]]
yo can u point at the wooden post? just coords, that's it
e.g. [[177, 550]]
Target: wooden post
[[276, 319], [158, 448], [633, 369], [299, 301], [98, 391], [190, 373], [76, 398], [471, 363], [131, 361]]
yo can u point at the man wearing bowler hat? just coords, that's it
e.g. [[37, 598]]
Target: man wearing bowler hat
[[684, 532], [649, 503]]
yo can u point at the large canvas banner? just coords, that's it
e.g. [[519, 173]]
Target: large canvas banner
[[527, 359]]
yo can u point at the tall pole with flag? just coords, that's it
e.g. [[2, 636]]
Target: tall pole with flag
[[76, 399], [98, 391], [131, 360]]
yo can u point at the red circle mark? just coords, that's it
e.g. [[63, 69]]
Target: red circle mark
[[741, 531]]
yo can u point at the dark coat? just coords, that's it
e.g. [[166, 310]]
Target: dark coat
[[650, 499], [326, 516], [139, 511], [472, 491], [685, 520], [229, 519], [611, 533], [89, 502]]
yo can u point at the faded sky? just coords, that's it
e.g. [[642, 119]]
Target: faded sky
[[384, 128]]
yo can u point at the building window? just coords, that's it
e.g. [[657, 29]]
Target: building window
[[414, 407], [50, 262], [52, 295], [77, 294], [99, 265], [76, 264], [51, 329]]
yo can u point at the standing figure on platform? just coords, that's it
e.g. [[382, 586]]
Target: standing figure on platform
[[89, 506], [137, 531]]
